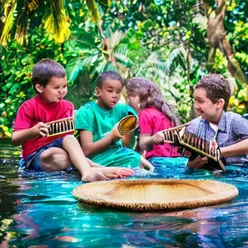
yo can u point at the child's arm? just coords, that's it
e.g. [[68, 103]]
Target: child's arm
[[147, 141], [238, 149], [126, 139], [89, 147], [20, 137]]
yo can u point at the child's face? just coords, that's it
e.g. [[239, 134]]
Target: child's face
[[109, 94], [54, 91], [205, 107], [133, 101]]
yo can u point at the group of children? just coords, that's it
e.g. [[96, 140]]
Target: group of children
[[101, 152]]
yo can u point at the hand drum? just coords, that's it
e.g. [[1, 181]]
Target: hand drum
[[128, 124]]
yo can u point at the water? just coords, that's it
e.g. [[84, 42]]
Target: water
[[40, 211]]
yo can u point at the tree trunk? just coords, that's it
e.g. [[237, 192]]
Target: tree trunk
[[217, 39]]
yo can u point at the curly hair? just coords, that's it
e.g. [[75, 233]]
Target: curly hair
[[108, 75]]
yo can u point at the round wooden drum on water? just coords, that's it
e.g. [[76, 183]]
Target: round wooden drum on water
[[159, 194]]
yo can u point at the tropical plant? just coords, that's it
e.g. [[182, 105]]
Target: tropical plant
[[15, 72], [218, 40], [162, 40], [20, 16]]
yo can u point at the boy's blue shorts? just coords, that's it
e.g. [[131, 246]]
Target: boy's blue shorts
[[32, 162]]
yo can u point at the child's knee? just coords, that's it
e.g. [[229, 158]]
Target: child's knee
[[58, 159], [70, 138]]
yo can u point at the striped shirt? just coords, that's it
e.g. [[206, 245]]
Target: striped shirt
[[232, 128]]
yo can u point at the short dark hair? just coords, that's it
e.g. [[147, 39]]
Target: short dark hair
[[108, 75], [216, 87], [44, 70]]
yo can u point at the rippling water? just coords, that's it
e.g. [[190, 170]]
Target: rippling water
[[38, 210]]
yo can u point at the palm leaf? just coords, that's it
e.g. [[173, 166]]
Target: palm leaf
[[73, 69], [154, 63], [113, 39], [109, 67], [83, 39], [78, 65], [23, 10], [56, 22], [93, 9], [104, 2], [9, 9], [176, 54], [121, 55]]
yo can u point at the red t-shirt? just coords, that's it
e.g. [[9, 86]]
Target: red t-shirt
[[35, 110], [152, 121]]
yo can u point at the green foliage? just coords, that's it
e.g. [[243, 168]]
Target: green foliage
[[236, 24], [15, 83], [237, 29], [15, 73], [162, 40]]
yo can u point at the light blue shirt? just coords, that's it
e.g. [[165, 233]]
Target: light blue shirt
[[232, 128]]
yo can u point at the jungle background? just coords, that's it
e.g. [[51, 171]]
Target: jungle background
[[173, 43]]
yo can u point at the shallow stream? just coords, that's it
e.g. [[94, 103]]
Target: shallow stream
[[39, 210]]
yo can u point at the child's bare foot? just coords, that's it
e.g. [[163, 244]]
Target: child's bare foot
[[116, 172], [127, 172], [94, 175], [106, 173]]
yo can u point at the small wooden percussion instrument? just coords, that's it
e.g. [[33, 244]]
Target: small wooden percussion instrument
[[179, 136], [128, 124], [60, 126]]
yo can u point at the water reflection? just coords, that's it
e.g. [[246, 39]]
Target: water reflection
[[39, 210]]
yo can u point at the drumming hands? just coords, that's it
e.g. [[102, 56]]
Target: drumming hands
[[198, 162], [41, 129], [116, 133], [193, 163], [158, 138]]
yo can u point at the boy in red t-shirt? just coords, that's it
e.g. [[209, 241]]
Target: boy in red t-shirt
[[41, 152]]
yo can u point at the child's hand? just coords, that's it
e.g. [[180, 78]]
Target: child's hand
[[184, 152], [198, 162], [41, 129], [115, 133], [158, 138]]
